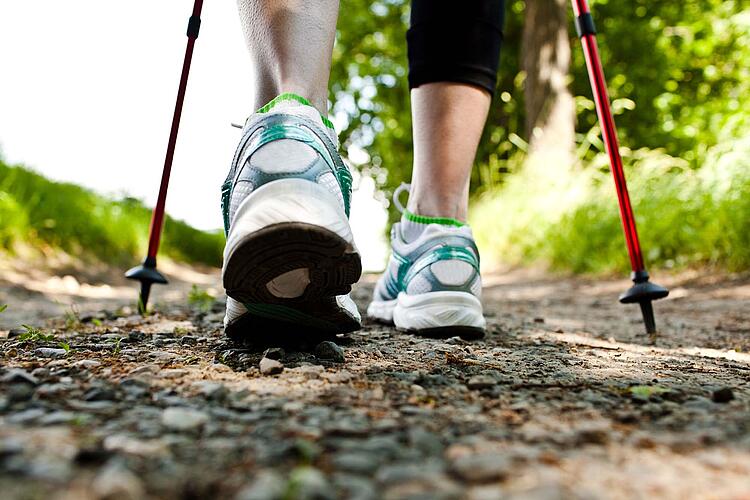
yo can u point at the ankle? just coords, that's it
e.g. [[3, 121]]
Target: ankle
[[438, 209], [311, 98]]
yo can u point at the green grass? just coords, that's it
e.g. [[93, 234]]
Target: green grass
[[569, 219], [41, 213]]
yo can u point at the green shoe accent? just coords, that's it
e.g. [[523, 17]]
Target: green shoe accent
[[226, 194], [288, 96], [436, 255], [289, 315], [423, 219]]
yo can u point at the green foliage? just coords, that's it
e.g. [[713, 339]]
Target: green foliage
[[33, 335], [64, 216], [685, 217], [200, 299], [72, 317], [117, 348], [3, 307]]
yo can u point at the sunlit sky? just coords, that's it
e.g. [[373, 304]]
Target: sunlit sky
[[87, 91]]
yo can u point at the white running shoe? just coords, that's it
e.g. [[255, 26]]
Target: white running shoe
[[432, 285], [290, 257]]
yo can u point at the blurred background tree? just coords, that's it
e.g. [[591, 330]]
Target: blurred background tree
[[678, 76]]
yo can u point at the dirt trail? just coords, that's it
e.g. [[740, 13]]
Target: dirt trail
[[566, 397]]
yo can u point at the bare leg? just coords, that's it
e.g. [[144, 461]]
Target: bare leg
[[290, 43], [448, 119]]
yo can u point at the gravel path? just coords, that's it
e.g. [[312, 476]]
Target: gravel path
[[565, 398]]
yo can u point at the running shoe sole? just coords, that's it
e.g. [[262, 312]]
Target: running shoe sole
[[433, 314], [290, 273]]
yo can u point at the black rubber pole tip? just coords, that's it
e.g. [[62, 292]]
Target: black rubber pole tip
[[643, 292], [143, 299], [647, 309], [147, 274]]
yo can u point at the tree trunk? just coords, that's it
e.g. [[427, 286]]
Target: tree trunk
[[545, 54]]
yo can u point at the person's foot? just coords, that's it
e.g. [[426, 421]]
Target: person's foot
[[432, 285], [290, 258]]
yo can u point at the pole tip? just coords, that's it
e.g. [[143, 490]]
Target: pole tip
[[649, 320]]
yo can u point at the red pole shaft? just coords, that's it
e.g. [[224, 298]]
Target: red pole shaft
[[157, 218], [599, 88]]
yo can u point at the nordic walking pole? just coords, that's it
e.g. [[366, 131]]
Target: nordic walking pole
[[146, 273], [642, 292]]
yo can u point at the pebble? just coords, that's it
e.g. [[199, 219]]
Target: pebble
[[592, 433], [189, 340], [213, 391], [116, 481], [16, 332], [722, 395], [100, 394], [310, 484], [49, 352], [276, 353], [329, 351], [482, 467], [86, 363], [134, 387], [133, 446], [17, 376], [270, 366], [355, 487], [478, 382], [60, 417], [25, 416], [355, 462], [183, 419], [173, 373], [267, 485]]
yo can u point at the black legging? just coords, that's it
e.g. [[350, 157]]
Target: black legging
[[455, 41]]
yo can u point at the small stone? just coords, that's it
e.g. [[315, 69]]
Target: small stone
[[425, 441], [115, 481], [276, 353], [127, 384], [213, 391], [149, 369], [132, 446], [49, 352], [100, 394], [87, 363], [356, 462], [479, 382], [538, 320], [723, 395], [330, 352], [183, 419], [482, 467], [592, 433], [10, 446], [16, 332], [310, 484], [136, 336], [26, 416], [417, 480], [270, 366], [355, 486], [41, 372], [60, 417], [173, 373], [17, 376], [267, 485]]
